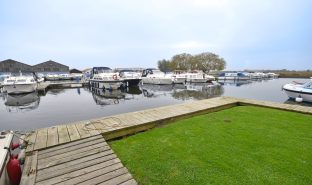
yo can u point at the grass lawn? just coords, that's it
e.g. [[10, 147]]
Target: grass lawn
[[241, 145]]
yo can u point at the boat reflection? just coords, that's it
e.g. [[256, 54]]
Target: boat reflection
[[102, 97], [183, 91], [199, 91], [234, 82], [153, 91], [21, 102]]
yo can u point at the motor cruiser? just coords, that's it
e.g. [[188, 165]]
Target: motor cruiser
[[299, 91], [130, 77], [234, 76], [198, 77], [105, 78], [155, 76], [20, 84]]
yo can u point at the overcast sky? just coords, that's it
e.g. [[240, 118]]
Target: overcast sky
[[248, 34]]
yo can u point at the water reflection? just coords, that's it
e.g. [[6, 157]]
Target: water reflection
[[23, 102], [183, 91], [199, 91], [107, 97], [235, 82], [154, 91]]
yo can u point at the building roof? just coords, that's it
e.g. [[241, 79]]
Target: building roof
[[14, 61], [75, 71], [49, 62]]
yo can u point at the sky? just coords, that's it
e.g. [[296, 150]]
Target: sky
[[248, 34]]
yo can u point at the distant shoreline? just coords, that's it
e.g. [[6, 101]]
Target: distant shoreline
[[295, 74]]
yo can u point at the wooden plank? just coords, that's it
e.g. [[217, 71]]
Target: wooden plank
[[113, 174], [120, 179], [63, 134], [100, 126], [77, 170], [92, 130], [77, 142], [41, 140], [129, 182], [31, 141], [82, 130], [75, 161], [73, 132], [30, 169], [49, 160], [52, 136], [64, 163], [71, 148]]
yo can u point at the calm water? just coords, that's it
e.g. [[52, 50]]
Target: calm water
[[59, 106]]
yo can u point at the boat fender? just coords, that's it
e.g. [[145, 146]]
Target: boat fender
[[299, 99], [14, 171], [14, 146], [21, 157], [115, 77]]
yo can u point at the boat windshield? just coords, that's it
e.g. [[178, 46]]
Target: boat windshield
[[308, 85]]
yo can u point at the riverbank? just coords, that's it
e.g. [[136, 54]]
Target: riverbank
[[295, 74]]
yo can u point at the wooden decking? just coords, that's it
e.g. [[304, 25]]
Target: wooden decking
[[85, 161], [53, 152], [121, 125]]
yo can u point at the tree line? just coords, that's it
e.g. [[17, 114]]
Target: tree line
[[206, 62]]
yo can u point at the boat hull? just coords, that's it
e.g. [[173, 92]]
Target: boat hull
[[293, 94], [157, 81], [233, 78], [197, 80], [116, 84], [179, 80], [4, 158], [20, 88], [132, 82]]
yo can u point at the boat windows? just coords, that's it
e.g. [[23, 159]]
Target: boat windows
[[308, 85]]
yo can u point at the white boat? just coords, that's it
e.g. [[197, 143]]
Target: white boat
[[198, 77], [20, 84], [130, 77], [52, 77], [273, 75], [299, 91], [65, 76], [155, 76], [5, 141], [105, 78], [234, 76], [2, 77]]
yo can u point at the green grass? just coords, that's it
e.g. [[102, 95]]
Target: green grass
[[241, 145]]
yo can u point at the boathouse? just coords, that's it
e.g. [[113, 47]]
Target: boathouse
[[14, 66], [50, 66]]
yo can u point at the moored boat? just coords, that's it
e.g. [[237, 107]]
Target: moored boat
[[20, 84], [105, 78], [198, 77], [234, 76], [130, 77], [52, 77], [155, 76], [299, 91], [5, 141]]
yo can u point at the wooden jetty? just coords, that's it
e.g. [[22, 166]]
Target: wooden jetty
[[60, 147], [42, 86]]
